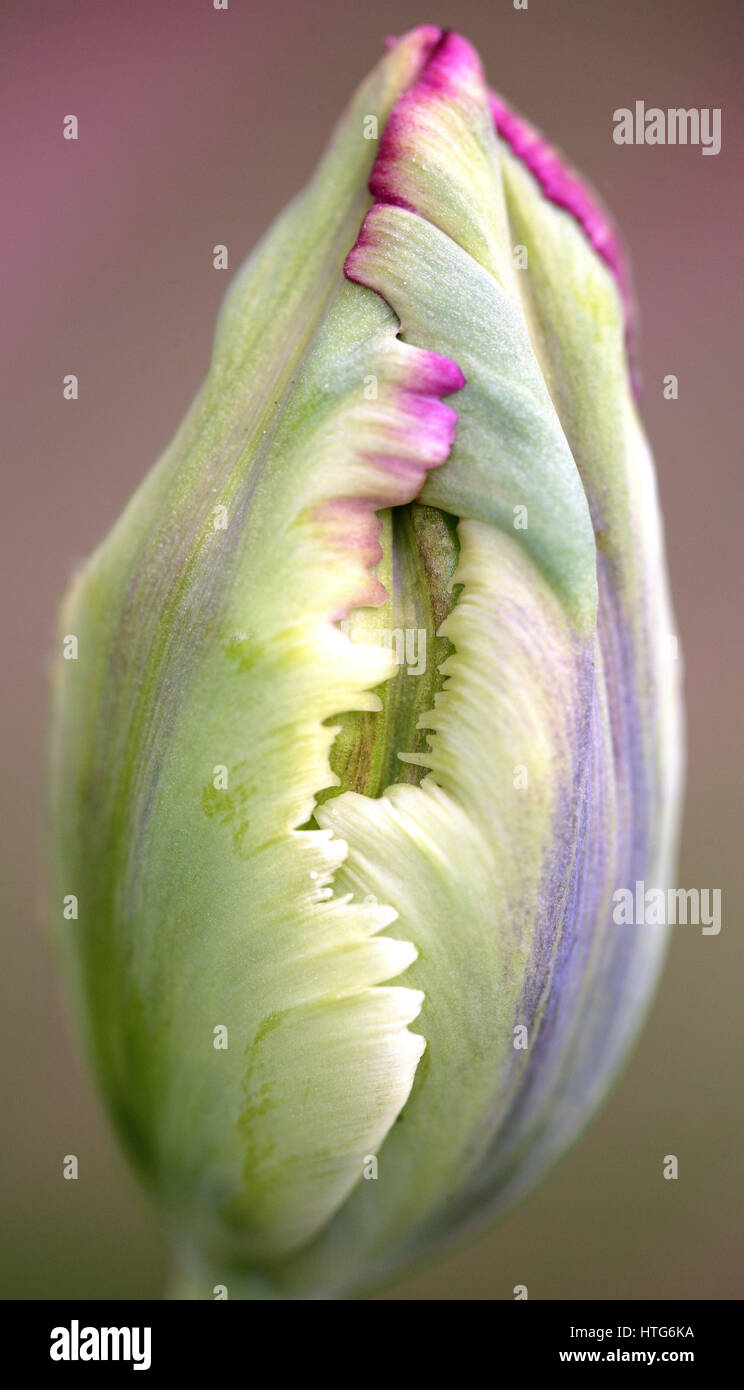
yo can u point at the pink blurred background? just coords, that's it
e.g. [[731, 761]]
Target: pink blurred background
[[196, 126]]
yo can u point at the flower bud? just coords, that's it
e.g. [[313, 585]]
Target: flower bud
[[374, 710]]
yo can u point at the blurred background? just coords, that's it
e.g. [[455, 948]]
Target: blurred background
[[196, 126]]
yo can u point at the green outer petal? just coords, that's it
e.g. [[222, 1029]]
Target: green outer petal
[[204, 906]]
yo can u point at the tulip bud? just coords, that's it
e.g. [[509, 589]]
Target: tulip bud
[[374, 710]]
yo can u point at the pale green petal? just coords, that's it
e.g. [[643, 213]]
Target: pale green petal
[[191, 740], [463, 859], [577, 330], [510, 451]]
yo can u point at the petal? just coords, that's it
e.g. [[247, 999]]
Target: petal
[[191, 741]]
